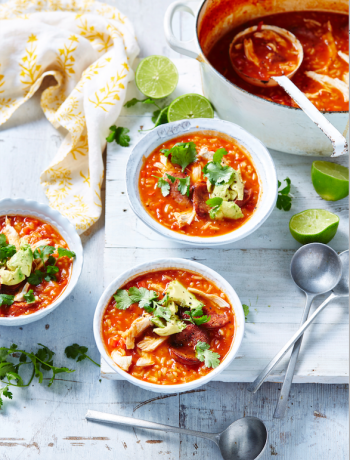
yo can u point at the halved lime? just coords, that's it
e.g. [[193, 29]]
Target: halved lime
[[314, 226], [331, 181], [156, 76], [190, 106]]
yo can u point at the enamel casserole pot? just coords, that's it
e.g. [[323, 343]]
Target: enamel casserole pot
[[282, 128]]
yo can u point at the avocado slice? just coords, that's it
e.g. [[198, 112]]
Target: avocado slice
[[10, 278], [227, 209], [173, 327], [223, 191], [23, 259], [180, 295], [237, 186]]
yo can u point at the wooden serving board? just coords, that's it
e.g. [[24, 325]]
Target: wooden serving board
[[257, 266]]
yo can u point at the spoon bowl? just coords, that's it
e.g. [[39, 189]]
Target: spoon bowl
[[284, 33], [316, 268], [244, 439], [342, 288]]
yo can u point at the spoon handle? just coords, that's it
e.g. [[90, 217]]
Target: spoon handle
[[103, 417], [340, 145], [254, 387]]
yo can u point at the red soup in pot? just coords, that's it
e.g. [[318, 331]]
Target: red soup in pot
[[168, 327], [324, 73], [35, 265], [200, 185]]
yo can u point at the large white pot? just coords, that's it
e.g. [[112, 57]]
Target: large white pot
[[279, 127]]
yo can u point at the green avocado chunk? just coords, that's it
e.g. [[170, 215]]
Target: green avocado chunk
[[10, 278], [231, 191], [173, 327], [180, 295], [227, 209], [23, 259]]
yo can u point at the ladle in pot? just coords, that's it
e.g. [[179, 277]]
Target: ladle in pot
[[340, 145]]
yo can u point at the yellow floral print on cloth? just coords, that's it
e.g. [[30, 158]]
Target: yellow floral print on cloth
[[88, 48]]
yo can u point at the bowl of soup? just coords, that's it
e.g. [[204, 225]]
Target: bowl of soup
[[169, 325], [41, 258], [201, 182], [268, 112]]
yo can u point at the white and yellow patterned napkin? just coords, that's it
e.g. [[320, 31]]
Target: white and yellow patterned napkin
[[88, 47]]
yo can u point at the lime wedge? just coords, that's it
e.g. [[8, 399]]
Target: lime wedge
[[156, 76], [331, 181], [314, 226], [190, 106]]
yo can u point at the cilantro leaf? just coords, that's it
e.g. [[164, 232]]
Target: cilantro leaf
[[203, 353], [183, 153], [245, 310], [36, 278], [134, 101], [2, 239], [284, 200], [163, 185], [6, 299], [78, 352], [43, 252], [63, 252], [217, 174], [165, 152], [219, 154], [216, 201], [184, 186], [142, 295], [196, 316], [163, 312], [120, 135], [51, 270], [4, 392], [29, 297], [7, 251], [160, 117], [122, 299]]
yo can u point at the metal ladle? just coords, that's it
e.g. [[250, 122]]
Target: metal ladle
[[340, 145], [315, 268], [244, 439]]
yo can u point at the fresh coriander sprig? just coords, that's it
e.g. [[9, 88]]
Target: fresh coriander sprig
[[182, 154], [146, 101], [215, 172], [145, 298], [163, 185], [196, 316], [78, 352], [6, 299], [284, 199], [120, 135], [245, 310], [203, 353]]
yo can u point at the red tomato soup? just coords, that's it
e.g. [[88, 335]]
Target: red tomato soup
[[176, 194], [264, 53], [35, 265], [323, 75], [179, 336]]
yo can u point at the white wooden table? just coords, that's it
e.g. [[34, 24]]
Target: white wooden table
[[48, 423]]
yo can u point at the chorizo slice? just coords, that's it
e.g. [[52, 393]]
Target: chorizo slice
[[189, 337], [200, 197], [184, 358], [246, 197], [217, 320], [175, 194]]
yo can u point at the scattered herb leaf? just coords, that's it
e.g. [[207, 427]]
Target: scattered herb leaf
[[182, 154], [7, 251], [134, 101], [36, 278], [120, 135], [284, 200], [142, 295], [163, 185], [29, 297], [196, 316], [203, 353], [184, 186], [246, 310], [122, 299], [219, 154], [2, 240], [6, 299], [217, 174], [78, 352], [63, 252]]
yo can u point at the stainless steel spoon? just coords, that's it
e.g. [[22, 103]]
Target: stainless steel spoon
[[244, 439], [339, 143], [316, 269]]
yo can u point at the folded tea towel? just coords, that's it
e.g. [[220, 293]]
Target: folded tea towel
[[88, 48]]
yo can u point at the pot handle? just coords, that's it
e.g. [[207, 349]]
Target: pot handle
[[189, 48]]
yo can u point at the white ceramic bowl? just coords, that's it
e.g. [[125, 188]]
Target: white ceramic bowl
[[259, 155], [43, 212], [164, 264]]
